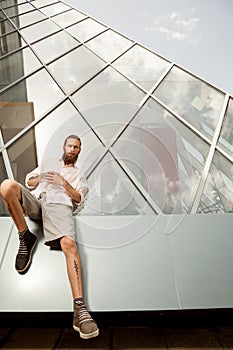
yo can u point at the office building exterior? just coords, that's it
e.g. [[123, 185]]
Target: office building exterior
[[155, 230]]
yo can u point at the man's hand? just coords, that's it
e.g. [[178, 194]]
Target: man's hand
[[58, 180], [53, 178]]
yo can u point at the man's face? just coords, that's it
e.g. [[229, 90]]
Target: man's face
[[71, 151]]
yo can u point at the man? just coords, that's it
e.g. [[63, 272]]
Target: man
[[53, 196]]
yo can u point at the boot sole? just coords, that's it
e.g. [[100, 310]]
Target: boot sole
[[86, 336]]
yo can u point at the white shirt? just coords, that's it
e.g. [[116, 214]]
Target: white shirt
[[56, 193]]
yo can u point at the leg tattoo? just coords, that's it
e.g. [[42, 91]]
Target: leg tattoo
[[77, 274]]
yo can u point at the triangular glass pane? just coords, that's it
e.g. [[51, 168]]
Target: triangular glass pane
[[68, 121], [108, 101], [193, 99], [165, 157], [142, 66], [226, 137], [111, 192], [218, 192], [109, 45]]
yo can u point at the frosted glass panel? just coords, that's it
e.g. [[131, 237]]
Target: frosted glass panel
[[85, 29], [196, 101], [39, 30], [109, 45], [112, 193], [75, 68], [226, 136], [142, 66], [49, 48], [165, 157], [28, 18], [68, 18]]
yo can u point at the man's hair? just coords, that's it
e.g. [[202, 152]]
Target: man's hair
[[73, 137]]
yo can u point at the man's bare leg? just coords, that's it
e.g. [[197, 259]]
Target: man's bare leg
[[11, 196], [83, 322], [73, 266]]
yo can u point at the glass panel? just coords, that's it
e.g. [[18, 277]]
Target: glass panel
[[2, 15], [218, 192], [53, 9], [27, 19], [39, 30], [86, 29], [112, 193], [39, 3], [35, 89], [141, 66], [165, 157], [55, 45], [68, 18], [14, 117], [68, 121], [109, 45], [23, 156], [5, 27], [76, 67], [10, 43], [108, 101], [16, 66], [15, 10], [226, 136], [3, 175], [194, 100], [8, 3]]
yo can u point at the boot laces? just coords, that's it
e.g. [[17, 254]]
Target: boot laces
[[23, 250], [84, 315]]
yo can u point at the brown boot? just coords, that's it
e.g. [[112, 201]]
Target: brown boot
[[83, 322]]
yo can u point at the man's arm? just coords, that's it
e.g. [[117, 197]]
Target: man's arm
[[57, 179], [33, 181], [71, 192]]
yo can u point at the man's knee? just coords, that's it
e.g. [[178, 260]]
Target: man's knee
[[68, 244], [9, 188]]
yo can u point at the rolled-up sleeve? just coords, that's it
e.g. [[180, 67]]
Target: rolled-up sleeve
[[82, 187], [33, 173]]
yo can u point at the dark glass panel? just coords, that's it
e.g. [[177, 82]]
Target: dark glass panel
[[16, 65], [23, 156], [218, 192]]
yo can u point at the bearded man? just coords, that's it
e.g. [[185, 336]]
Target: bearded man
[[52, 194]]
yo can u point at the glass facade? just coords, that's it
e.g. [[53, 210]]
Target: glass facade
[[156, 139]]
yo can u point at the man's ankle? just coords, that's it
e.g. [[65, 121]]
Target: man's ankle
[[23, 232]]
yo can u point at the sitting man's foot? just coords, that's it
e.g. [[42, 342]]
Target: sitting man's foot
[[83, 322], [24, 257]]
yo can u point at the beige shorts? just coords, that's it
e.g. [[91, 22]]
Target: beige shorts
[[57, 219]]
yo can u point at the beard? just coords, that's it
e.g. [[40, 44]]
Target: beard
[[69, 158]]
